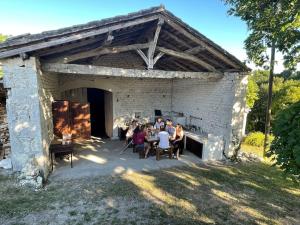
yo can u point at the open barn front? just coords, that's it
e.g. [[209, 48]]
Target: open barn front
[[110, 72]]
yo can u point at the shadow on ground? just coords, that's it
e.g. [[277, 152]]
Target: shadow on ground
[[199, 194]]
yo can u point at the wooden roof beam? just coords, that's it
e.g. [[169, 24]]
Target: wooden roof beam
[[202, 43], [75, 37], [120, 72], [99, 51], [187, 56], [177, 39]]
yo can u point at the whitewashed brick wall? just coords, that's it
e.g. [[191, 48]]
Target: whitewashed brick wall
[[129, 95], [217, 107]]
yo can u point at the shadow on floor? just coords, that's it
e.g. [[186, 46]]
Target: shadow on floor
[[102, 157]]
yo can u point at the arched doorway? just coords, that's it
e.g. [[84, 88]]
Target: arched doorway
[[100, 105], [101, 112]]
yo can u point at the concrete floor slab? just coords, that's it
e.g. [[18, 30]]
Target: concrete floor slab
[[102, 157]]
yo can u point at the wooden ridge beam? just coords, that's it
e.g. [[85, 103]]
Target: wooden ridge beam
[[120, 72], [75, 37], [186, 56]]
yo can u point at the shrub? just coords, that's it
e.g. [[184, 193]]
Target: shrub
[[285, 149], [257, 139]]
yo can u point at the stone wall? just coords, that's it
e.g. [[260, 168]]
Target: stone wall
[[26, 116], [4, 133]]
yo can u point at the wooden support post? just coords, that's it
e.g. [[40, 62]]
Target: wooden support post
[[149, 59]]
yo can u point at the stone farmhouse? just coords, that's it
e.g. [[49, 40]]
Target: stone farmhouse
[[136, 64]]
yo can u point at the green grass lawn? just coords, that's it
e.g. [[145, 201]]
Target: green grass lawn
[[203, 194]]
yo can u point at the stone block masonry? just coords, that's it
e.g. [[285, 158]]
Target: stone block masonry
[[4, 133], [26, 116]]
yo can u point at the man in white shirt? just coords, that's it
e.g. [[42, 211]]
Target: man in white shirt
[[163, 139]]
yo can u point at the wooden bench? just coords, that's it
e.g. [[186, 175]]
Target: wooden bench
[[160, 151]]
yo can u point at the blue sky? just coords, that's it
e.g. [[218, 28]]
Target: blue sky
[[207, 16]]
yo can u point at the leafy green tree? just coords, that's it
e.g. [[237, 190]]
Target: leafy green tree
[[290, 74], [3, 37], [252, 92], [285, 93], [274, 25], [285, 149]]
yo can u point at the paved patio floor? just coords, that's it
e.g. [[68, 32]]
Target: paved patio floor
[[102, 157]]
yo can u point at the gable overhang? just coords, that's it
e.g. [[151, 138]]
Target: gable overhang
[[178, 45]]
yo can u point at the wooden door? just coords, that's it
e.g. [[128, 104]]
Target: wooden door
[[81, 120], [61, 117]]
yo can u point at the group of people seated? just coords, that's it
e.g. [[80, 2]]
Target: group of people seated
[[167, 136]]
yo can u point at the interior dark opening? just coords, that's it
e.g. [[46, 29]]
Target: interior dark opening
[[97, 109], [194, 147]]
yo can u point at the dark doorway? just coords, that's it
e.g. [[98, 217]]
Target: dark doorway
[[96, 98]]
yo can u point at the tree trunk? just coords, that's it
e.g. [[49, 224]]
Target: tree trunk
[[270, 92]]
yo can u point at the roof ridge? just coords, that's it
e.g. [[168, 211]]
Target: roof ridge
[[13, 40]]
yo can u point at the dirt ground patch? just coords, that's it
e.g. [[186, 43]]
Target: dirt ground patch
[[201, 194]]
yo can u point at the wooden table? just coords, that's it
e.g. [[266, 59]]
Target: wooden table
[[58, 147]]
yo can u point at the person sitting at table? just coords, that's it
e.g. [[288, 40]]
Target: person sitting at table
[[158, 124], [177, 140], [169, 127], [163, 139], [139, 137], [129, 132]]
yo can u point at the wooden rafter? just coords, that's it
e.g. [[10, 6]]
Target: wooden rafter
[[195, 50], [186, 56], [177, 39], [99, 51], [59, 49], [213, 51], [75, 37], [120, 72]]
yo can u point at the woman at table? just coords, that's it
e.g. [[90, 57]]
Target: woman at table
[[140, 135], [177, 140], [130, 130], [170, 128]]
